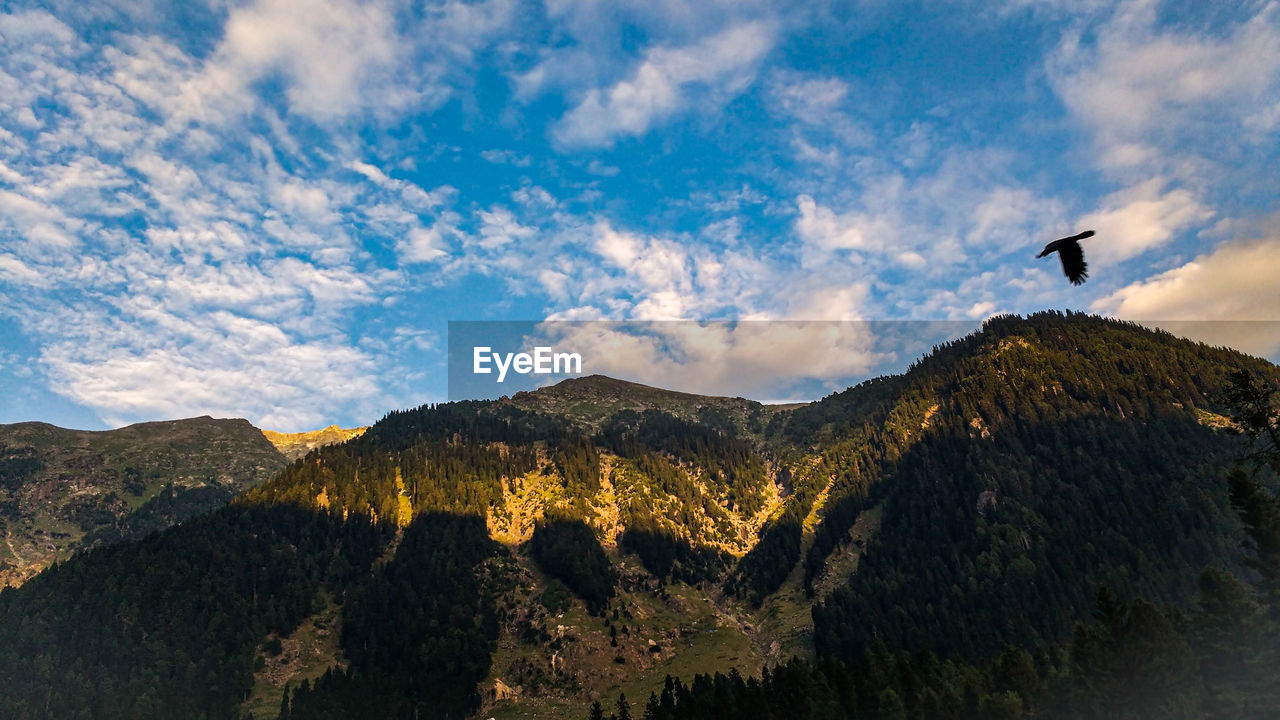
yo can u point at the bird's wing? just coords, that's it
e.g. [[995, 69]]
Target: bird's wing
[[1073, 263]]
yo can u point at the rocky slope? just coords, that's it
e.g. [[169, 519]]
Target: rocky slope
[[296, 445], [62, 490]]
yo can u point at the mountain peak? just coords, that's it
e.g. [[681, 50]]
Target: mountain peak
[[298, 444], [592, 399]]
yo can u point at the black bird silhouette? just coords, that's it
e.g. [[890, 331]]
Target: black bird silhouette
[[1072, 257]]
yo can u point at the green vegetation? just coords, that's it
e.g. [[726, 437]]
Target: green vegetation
[[65, 490], [1038, 520], [1133, 659], [167, 627], [419, 634], [568, 550]]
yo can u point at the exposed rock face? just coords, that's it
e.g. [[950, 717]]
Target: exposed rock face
[[296, 445]]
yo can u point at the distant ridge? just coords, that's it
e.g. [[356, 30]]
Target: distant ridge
[[592, 399], [62, 490], [296, 445]]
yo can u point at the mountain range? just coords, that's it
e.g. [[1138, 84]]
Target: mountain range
[[901, 548], [67, 490]]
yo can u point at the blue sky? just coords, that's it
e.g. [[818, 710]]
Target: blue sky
[[272, 209]]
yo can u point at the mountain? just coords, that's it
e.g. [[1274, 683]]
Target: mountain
[[64, 490], [980, 536], [296, 445], [589, 401]]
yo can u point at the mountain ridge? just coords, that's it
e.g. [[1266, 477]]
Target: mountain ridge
[[947, 510], [62, 490], [297, 444]]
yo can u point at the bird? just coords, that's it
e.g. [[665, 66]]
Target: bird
[[1071, 255]]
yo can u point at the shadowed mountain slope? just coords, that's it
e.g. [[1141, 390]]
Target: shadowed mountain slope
[[62, 490]]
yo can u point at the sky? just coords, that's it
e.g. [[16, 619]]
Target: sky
[[272, 209]]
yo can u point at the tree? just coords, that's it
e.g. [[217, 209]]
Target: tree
[[653, 708], [1257, 415]]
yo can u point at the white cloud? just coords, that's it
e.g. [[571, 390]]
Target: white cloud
[[498, 227], [233, 368], [751, 359], [828, 231], [1142, 89], [657, 271], [1139, 218], [824, 130], [17, 272], [231, 287], [1236, 281], [1228, 296], [722, 64], [425, 244], [330, 51]]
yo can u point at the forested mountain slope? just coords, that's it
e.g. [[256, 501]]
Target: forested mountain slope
[[61, 490], [908, 536]]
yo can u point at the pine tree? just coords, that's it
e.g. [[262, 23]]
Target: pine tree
[[653, 708]]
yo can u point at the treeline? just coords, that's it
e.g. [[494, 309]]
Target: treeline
[[167, 627], [567, 550], [172, 505], [670, 556], [863, 430], [987, 542], [857, 434], [467, 421], [764, 568], [728, 462], [460, 473], [419, 634], [669, 536], [1040, 370]]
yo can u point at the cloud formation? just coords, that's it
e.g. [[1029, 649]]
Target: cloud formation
[[1228, 296], [669, 80], [271, 208]]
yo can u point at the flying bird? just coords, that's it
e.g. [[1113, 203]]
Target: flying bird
[[1071, 255]]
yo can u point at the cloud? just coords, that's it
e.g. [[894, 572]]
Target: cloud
[[1137, 219], [228, 366], [1231, 293], [720, 65], [337, 56], [1142, 88], [425, 244], [751, 358], [1235, 281], [499, 227], [656, 271], [15, 271], [850, 231], [824, 128], [169, 267]]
